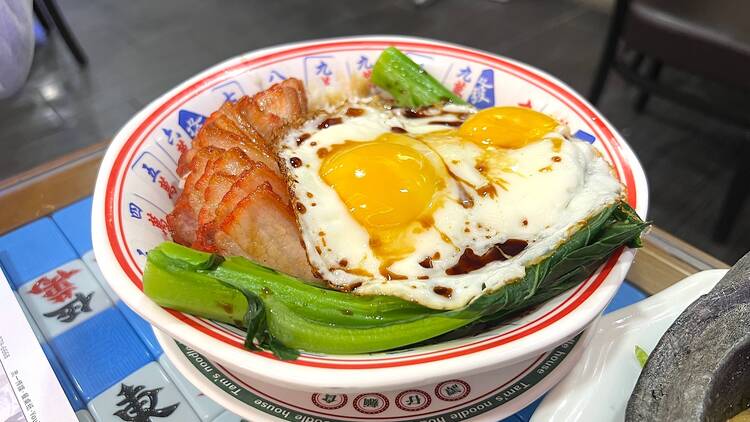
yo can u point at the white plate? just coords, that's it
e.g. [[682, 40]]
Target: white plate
[[135, 190], [483, 397], [599, 386]]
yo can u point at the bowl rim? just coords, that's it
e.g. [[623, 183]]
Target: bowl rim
[[302, 373]]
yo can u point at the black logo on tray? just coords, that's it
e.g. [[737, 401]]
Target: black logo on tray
[[140, 405], [72, 309]]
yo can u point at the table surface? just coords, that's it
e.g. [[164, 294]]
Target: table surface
[[107, 349]]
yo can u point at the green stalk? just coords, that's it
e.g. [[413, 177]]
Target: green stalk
[[317, 303], [410, 85], [175, 286], [297, 332], [299, 315], [281, 312]]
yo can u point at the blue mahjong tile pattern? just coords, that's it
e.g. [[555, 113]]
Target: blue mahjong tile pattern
[[105, 356], [190, 122], [483, 94]]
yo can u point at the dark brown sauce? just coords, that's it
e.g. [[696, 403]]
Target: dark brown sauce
[[525, 222], [344, 262], [322, 152], [354, 112], [421, 277], [295, 162], [426, 263], [556, 158], [331, 121], [352, 286], [300, 208], [396, 129], [302, 138], [463, 197], [411, 113], [313, 143], [454, 123], [487, 190], [446, 292], [513, 247], [470, 261], [389, 275], [309, 194]]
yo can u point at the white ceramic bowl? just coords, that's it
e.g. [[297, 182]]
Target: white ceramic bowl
[[490, 396], [132, 197]]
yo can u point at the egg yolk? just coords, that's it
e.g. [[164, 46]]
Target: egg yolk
[[385, 183], [507, 127]]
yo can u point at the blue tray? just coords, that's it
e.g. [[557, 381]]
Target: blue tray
[[104, 355]]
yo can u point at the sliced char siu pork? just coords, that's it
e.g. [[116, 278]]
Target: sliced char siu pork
[[234, 200]]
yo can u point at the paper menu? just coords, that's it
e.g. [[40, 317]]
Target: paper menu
[[29, 390]]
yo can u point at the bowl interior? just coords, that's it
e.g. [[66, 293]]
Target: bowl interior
[[138, 184]]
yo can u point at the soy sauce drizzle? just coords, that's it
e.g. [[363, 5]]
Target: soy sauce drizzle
[[446, 292], [464, 198], [426, 263], [470, 261], [389, 275], [411, 113], [302, 138], [354, 112], [331, 121], [396, 129], [454, 123], [487, 190]]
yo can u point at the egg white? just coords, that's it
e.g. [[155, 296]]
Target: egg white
[[540, 201]]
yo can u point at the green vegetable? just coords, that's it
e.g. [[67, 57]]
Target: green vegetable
[[409, 84], [641, 355], [298, 314], [283, 314]]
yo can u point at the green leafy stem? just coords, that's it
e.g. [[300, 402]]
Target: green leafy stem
[[284, 314]]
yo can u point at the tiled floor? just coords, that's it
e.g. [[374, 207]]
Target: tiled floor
[[139, 49]]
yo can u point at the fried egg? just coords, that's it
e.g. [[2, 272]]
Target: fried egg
[[438, 206]]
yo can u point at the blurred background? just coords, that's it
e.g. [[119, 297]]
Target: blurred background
[[137, 50]]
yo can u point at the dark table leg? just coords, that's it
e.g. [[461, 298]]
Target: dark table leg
[[65, 32]]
